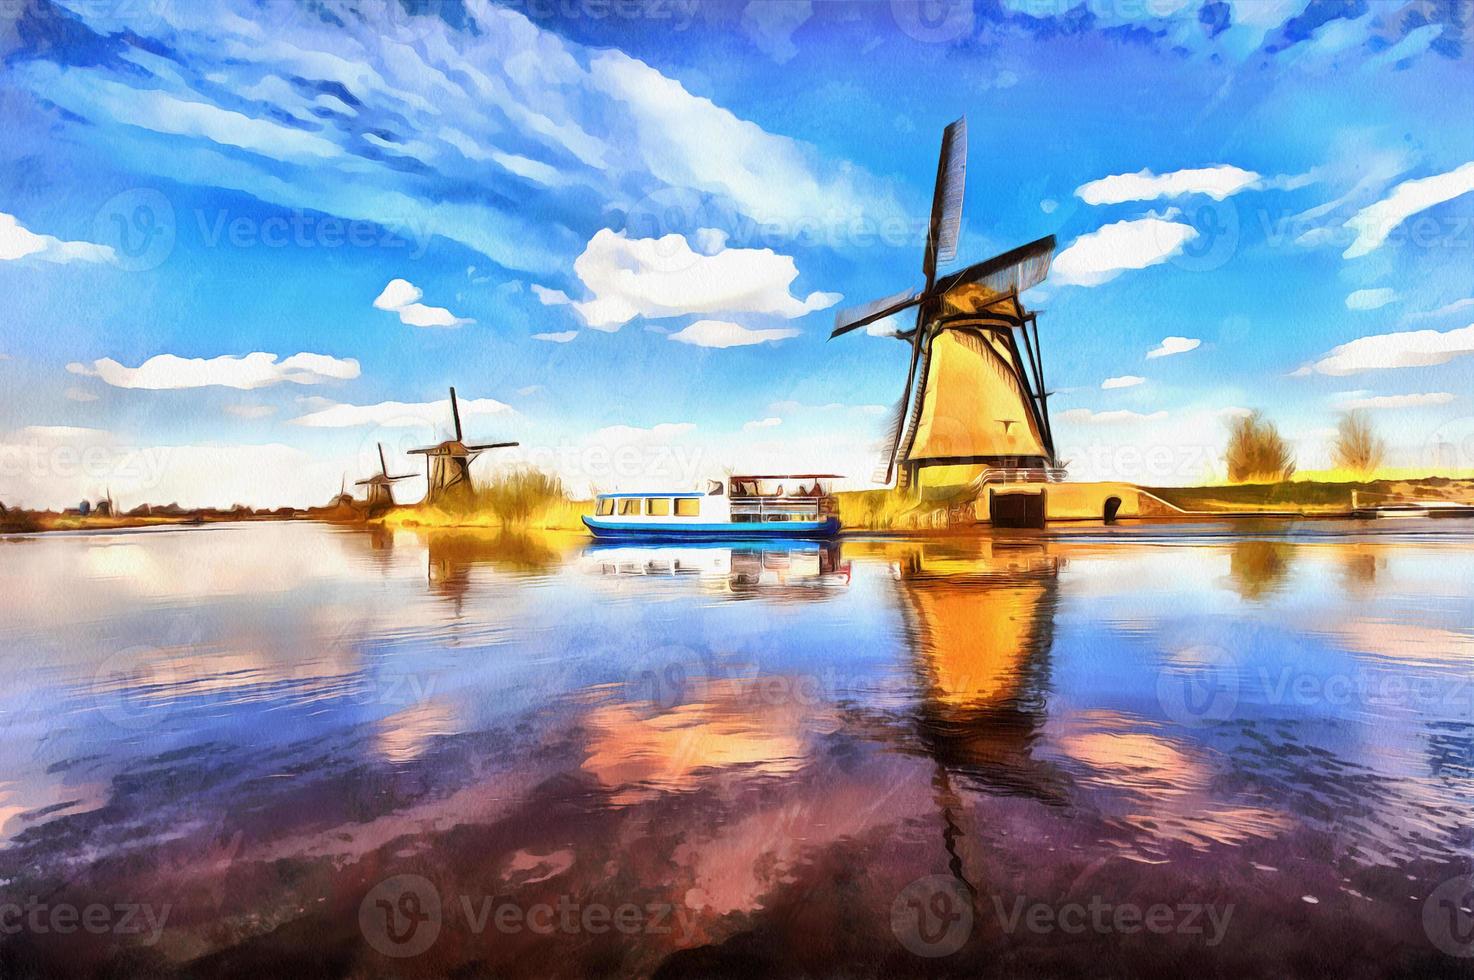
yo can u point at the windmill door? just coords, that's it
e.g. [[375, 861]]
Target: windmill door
[[1016, 509]]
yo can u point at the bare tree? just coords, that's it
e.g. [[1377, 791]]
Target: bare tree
[[1256, 450], [1358, 448]]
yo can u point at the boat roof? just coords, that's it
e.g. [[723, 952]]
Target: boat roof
[[788, 476], [653, 493]]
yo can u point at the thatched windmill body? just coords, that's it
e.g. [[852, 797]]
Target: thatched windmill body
[[448, 464], [380, 492], [974, 396]]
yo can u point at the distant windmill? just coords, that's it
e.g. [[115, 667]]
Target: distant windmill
[[380, 492], [344, 498], [448, 465], [978, 400]]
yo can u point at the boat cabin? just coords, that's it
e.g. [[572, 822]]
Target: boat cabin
[[791, 497], [787, 506]]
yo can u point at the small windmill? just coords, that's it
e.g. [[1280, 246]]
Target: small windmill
[[448, 465], [343, 497], [978, 401], [380, 492]]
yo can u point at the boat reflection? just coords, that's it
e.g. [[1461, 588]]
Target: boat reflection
[[772, 570]]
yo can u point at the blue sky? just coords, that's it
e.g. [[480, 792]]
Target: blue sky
[[241, 242]]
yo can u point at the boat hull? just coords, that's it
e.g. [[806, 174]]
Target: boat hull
[[692, 531]]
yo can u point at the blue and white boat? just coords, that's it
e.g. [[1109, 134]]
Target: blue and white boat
[[799, 505]]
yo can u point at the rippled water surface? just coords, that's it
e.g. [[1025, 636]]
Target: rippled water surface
[[292, 750]]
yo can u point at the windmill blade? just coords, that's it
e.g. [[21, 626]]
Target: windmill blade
[[946, 202], [855, 317], [383, 466], [423, 451], [455, 412], [362, 483], [492, 445], [402, 476], [1012, 272], [897, 423]]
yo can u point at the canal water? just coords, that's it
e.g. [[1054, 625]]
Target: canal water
[[287, 749]]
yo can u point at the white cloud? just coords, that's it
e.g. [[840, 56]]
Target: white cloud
[[256, 370], [551, 110], [665, 277], [1216, 182], [766, 423], [688, 141], [1085, 416], [401, 296], [1049, 205], [1375, 222], [1412, 348], [561, 337], [79, 395], [628, 434], [250, 411], [722, 334], [398, 293], [529, 390], [1352, 400], [17, 242], [771, 24], [400, 414], [1174, 345], [550, 297], [1102, 255], [1454, 307], [192, 475], [1370, 299], [891, 325], [420, 315], [1124, 381]]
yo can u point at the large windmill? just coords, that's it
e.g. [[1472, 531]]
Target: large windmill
[[448, 465], [975, 385], [380, 492]]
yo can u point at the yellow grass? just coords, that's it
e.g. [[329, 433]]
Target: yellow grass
[[521, 498]]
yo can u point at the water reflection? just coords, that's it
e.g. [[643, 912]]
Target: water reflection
[[981, 618], [528, 719], [793, 570], [1259, 567]]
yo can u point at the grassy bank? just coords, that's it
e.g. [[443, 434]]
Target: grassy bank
[[1311, 496]]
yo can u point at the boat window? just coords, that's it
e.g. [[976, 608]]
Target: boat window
[[688, 507], [629, 507], [606, 507], [657, 506]]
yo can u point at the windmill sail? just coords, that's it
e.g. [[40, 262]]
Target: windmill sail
[[946, 205], [855, 317], [974, 289]]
